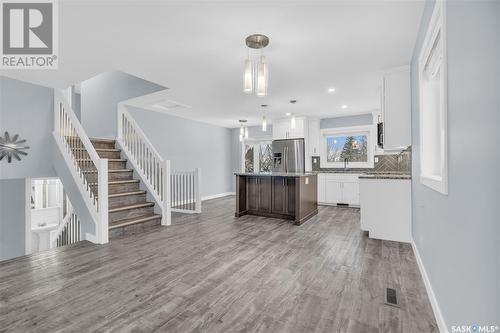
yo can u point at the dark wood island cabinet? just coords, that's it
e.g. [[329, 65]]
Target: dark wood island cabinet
[[280, 195]]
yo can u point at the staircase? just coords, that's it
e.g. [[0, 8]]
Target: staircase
[[128, 208]]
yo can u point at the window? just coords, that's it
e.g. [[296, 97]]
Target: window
[[249, 158], [352, 144], [433, 114], [257, 157]]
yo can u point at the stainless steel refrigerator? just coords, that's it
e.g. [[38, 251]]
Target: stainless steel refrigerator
[[288, 155]]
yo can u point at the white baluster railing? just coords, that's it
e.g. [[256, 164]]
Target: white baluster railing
[[89, 171], [69, 231], [185, 191], [153, 170]]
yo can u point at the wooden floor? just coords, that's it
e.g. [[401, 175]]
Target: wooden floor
[[217, 273]]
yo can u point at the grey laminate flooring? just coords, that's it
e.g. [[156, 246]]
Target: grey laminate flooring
[[217, 273]]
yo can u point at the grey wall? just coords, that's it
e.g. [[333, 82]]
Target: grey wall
[[12, 217], [359, 120], [190, 144], [100, 96], [457, 235], [27, 109]]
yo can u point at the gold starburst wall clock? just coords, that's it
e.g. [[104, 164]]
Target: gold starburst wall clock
[[11, 147]]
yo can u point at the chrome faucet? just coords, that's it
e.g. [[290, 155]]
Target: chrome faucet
[[346, 163]]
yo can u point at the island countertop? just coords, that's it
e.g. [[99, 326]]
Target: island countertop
[[275, 174]]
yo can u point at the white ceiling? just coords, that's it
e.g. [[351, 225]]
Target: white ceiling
[[197, 49]]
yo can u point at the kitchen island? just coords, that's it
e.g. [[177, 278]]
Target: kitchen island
[[282, 195]]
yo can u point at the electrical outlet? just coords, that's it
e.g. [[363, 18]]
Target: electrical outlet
[[376, 159]]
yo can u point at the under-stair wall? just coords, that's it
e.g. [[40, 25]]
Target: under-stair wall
[[88, 227]]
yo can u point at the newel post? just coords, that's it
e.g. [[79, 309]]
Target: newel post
[[198, 190], [103, 227], [120, 122], [166, 209]]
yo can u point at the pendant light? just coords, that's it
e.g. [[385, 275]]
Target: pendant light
[[248, 75], [293, 122], [262, 77], [264, 120], [255, 76], [243, 130]]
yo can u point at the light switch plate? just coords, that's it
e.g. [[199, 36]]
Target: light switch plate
[[307, 180], [376, 159]]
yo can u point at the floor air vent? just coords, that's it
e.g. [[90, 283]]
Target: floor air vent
[[391, 297]]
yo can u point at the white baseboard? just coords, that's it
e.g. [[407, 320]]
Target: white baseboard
[[430, 292], [215, 196]]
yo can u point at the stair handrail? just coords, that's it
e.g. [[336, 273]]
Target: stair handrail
[[148, 163], [62, 225], [82, 157]]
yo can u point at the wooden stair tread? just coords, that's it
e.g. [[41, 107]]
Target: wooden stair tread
[[128, 207], [124, 194], [109, 159], [109, 170], [103, 140], [133, 220], [101, 149], [115, 182]]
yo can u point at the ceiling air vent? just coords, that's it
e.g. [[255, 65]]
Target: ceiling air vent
[[169, 105]]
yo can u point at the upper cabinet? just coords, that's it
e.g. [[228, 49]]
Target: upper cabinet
[[396, 108], [313, 137], [282, 128]]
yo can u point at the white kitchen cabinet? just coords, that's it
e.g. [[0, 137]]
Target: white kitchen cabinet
[[321, 187], [333, 191], [385, 208], [396, 108], [313, 137], [350, 193], [282, 128], [338, 188]]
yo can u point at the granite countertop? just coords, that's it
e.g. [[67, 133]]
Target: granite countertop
[[371, 174], [385, 176], [276, 174]]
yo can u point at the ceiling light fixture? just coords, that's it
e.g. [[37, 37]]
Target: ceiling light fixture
[[255, 76], [331, 90], [344, 106]]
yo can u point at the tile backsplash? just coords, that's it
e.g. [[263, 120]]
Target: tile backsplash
[[386, 163]]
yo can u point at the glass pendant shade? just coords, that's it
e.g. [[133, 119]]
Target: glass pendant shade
[[241, 138], [242, 131], [262, 77], [264, 124], [248, 77], [246, 132], [292, 122]]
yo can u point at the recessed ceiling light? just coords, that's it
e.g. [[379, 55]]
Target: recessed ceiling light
[[344, 106], [288, 114], [331, 90]]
